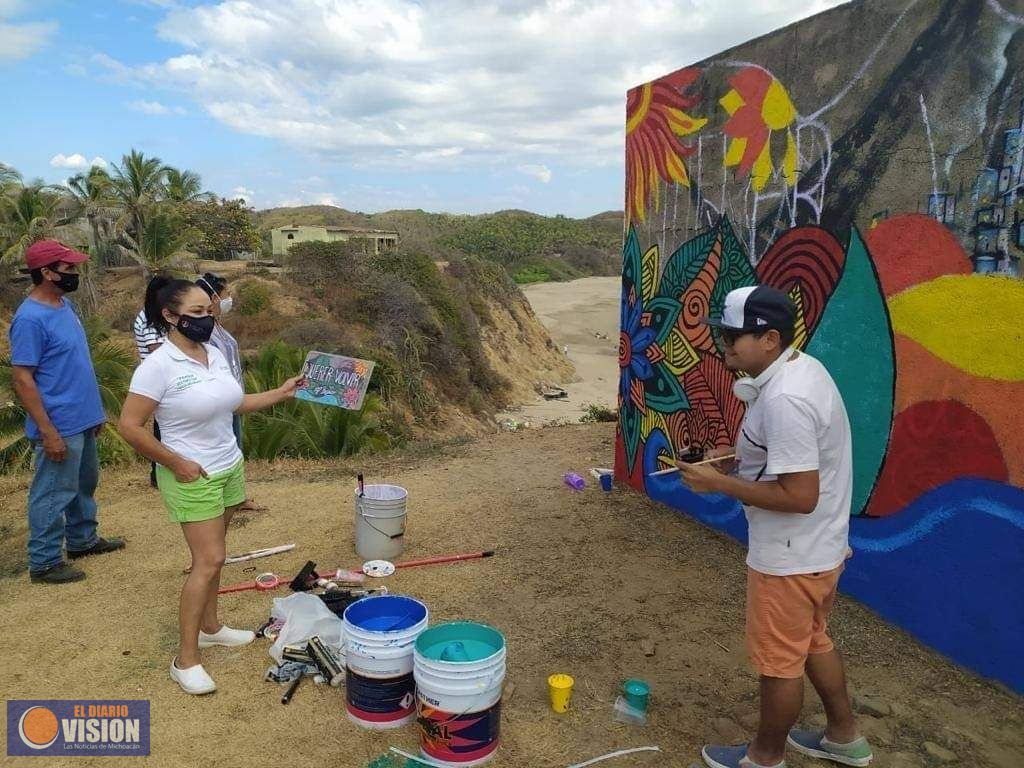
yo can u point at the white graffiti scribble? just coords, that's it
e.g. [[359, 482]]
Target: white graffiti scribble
[[931, 144]]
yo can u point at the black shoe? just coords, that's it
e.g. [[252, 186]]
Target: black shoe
[[62, 573], [101, 547]]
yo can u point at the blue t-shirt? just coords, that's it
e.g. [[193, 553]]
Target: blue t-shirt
[[52, 340]]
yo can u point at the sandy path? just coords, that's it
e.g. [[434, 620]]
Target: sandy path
[[573, 313]]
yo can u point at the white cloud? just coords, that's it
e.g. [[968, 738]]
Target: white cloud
[[242, 193], [21, 39], [76, 161], [308, 198], [379, 82], [153, 108], [540, 172]]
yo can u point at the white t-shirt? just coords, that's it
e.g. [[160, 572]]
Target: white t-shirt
[[145, 334], [798, 423], [195, 404]]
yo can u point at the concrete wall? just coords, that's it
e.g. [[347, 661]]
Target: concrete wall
[[283, 238], [869, 162]]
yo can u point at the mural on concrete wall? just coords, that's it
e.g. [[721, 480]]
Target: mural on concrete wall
[[881, 187]]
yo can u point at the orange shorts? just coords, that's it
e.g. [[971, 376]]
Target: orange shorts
[[787, 620]]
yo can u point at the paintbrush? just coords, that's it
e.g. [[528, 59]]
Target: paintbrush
[[670, 470]]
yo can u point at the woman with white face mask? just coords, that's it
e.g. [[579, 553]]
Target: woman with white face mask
[[221, 302]]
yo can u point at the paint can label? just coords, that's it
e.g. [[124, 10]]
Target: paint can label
[[459, 738], [380, 700]]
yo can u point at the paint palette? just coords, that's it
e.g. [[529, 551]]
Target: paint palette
[[378, 569]]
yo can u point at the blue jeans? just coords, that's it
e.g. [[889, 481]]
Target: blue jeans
[[60, 502]]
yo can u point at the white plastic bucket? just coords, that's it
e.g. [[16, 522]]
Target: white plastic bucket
[[379, 636], [380, 521], [459, 670]]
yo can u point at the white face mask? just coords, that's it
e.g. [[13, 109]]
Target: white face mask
[[226, 304]]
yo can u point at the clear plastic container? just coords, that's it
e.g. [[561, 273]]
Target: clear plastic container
[[624, 713]]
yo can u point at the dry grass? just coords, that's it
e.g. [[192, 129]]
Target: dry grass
[[579, 581]]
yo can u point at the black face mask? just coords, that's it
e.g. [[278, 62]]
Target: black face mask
[[68, 282], [196, 328]]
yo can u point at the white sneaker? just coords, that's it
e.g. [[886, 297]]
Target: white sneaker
[[226, 636], [193, 680]]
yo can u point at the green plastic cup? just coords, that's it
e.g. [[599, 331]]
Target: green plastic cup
[[637, 693]]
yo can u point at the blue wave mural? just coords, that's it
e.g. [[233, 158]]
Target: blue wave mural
[[948, 568]]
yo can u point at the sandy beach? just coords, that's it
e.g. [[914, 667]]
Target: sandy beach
[[583, 317]]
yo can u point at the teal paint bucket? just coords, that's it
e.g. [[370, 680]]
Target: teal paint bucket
[[459, 670]]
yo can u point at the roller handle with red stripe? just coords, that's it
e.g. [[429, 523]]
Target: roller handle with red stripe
[[446, 559]]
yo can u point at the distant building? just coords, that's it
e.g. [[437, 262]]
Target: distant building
[[283, 238]]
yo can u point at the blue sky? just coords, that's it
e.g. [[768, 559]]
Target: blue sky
[[450, 105]]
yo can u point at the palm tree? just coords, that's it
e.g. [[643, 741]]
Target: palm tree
[[92, 196], [138, 184], [9, 179], [184, 186], [298, 428], [29, 213], [161, 241]]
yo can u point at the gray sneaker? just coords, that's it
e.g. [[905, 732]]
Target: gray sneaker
[[62, 573], [814, 744]]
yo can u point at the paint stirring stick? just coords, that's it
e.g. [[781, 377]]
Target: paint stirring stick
[[670, 470]]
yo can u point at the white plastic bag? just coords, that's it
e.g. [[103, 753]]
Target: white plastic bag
[[305, 615]]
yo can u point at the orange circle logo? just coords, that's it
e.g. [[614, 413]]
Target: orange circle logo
[[38, 727]]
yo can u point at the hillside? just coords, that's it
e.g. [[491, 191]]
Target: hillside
[[452, 346], [531, 247]]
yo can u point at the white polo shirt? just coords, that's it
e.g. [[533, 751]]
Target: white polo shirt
[[798, 423], [195, 404]]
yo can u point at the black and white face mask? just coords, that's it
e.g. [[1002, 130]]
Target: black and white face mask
[[197, 329]]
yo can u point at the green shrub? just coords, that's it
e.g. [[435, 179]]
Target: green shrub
[[532, 274], [319, 334], [251, 297], [595, 412]]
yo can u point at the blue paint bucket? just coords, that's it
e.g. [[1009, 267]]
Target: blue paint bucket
[[380, 633]]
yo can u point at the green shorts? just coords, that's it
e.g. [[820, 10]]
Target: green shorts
[[202, 499]]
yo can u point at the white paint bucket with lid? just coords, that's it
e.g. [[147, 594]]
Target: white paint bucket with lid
[[380, 521]]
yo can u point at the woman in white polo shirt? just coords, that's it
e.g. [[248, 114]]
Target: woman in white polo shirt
[[188, 385]]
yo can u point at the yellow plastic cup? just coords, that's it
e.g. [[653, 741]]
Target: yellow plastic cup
[[560, 691]]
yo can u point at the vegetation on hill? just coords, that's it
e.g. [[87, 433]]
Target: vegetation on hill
[[530, 247]]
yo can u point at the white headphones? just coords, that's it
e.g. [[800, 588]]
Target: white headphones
[[748, 388]]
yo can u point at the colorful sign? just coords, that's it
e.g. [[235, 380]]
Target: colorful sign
[[335, 380]]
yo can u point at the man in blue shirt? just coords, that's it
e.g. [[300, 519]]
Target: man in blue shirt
[[55, 382]]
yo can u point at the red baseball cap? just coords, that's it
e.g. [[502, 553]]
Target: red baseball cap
[[46, 252]]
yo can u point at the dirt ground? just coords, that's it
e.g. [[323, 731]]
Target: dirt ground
[[579, 581]]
